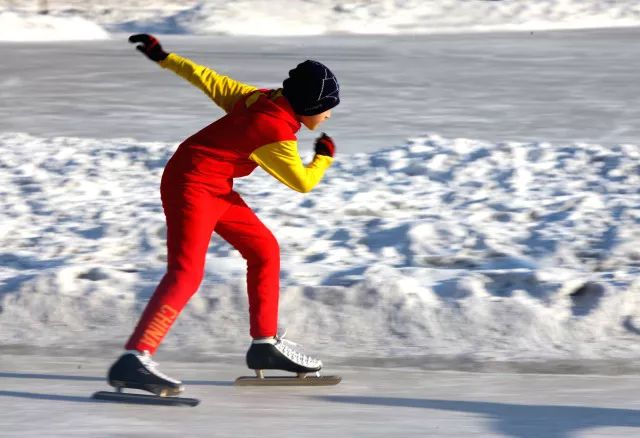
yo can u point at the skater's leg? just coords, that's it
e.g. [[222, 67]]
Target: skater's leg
[[191, 217], [241, 228]]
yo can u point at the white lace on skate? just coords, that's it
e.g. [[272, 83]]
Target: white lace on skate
[[145, 359], [294, 353]]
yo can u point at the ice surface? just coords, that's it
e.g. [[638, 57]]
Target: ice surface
[[558, 87], [44, 396]]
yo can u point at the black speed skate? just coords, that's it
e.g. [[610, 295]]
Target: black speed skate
[[280, 354], [137, 371]]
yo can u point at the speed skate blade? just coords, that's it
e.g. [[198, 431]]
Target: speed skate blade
[[287, 381], [144, 399]]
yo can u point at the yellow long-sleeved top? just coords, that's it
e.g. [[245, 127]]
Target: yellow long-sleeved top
[[258, 130]]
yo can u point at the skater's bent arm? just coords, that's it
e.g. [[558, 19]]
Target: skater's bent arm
[[223, 90], [282, 161]]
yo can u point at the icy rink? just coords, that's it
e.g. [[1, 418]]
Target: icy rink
[[371, 402], [557, 87]]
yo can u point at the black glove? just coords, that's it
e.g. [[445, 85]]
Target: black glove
[[325, 145], [150, 46]]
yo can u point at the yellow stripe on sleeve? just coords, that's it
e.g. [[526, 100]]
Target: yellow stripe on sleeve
[[223, 90], [282, 161]]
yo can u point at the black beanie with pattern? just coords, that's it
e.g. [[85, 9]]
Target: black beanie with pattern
[[311, 88]]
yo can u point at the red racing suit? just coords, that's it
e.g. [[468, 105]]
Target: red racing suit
[[259, 129]]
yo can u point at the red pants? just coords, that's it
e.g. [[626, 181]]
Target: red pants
[[193, 213]]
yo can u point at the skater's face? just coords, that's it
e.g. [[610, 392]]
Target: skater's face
[[312, 122]]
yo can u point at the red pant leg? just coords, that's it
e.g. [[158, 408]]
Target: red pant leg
[[241, 228], [191, 215]]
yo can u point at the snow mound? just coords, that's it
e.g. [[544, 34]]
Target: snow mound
[[439, 247], [299, 17], [34, 27], [269, 17]]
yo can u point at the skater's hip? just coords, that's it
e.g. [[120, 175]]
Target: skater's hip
[[205, 165], [175, 184], [184, 171], [191, 190]]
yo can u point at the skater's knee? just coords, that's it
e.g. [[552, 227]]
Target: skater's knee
[[264, 251], [189, 278]]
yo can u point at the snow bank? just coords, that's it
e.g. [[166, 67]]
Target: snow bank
[[437, 247], [282, 17], [299, 17], [35, 27]]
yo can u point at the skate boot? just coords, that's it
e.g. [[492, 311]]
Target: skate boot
[[137, 371], [280, 354]]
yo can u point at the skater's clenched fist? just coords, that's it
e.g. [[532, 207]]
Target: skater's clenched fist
[[325, 145], [150, 46]]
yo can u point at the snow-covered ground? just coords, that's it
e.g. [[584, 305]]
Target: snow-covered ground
[[20, 21], [441, 247]]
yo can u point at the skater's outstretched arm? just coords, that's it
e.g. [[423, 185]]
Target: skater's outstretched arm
[[282, 161], [223, 90]]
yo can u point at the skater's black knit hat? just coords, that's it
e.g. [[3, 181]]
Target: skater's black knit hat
[[311, 88]]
